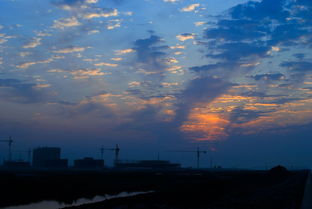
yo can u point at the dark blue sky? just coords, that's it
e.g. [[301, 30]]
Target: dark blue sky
[[233, 77]]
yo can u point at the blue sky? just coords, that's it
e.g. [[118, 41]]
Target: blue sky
[[233, 77]]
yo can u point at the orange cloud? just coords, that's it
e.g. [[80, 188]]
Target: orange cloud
[[205, 126]]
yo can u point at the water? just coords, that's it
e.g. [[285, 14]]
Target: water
[[55, 205]]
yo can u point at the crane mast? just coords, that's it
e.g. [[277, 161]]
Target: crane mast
[[116, 150], [9, 141], [198, 153]]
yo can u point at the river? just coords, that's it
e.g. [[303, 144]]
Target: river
[[50, 204]]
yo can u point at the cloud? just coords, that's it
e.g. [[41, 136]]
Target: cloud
[[200, 90], [268, 76], [234, 51], [199, 23], [116, 59], [42, 86], [91, 1], [15, 90], [70, 50], [167, 85], [302, 66], [56, 71], [124, 51], [112, 24], [73, 4], [299, 55], [185, 36], [210, 67], [177, 47], [241, 115], [105, 64], [248, 38], [87, 73], [33, 44], [28, 64], [195, 124], [255, 30], [134, 84], [190, 8], [150, 55], [103, 13], [66, 22]]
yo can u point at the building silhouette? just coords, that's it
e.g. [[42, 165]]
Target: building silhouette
[[88, 163], [16, 164], [48, 157], [148, 164]]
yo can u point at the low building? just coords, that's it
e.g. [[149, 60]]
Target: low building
[[88, 163], [148, 164], [16, 164], [48, 157]]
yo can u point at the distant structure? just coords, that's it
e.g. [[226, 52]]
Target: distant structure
[[16, 164], [148, 164], [9, 141], [116, 150], [88, 163], [48, 157], [198, 154]]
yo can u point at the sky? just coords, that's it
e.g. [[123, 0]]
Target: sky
[[232, 77]]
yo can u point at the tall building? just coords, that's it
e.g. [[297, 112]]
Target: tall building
[[49, 157]]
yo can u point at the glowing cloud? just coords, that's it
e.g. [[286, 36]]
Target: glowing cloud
[[124, 51], [185, 36], [70, 50], [205, 126], [105, 64], [190, 8], [87, 73]]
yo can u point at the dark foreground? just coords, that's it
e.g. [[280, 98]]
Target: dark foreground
[[174, 190]]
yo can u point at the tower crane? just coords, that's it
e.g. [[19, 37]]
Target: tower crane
[[116, 150], [9, 141], [197, 151]]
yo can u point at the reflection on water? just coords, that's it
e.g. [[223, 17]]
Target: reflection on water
[[56, 205]]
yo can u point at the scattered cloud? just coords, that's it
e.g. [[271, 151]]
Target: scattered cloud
[[185, 36], [66, 22], [42, 86], [124, 51], [190, 8], [28, 64], [171, 1], [103, 13], [87, 73], [199, 23], [70, 50], [267, 76], [105, 64], [34, 43], [15, 90]]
